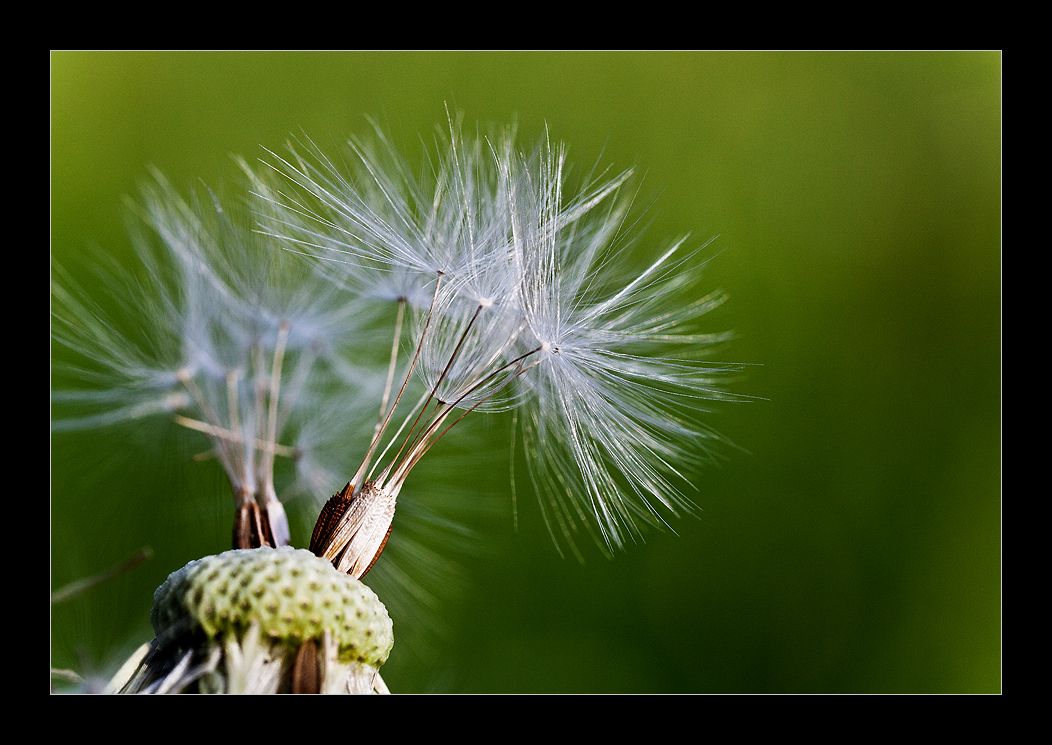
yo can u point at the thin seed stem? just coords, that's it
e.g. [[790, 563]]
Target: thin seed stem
[[272, 417], [77, 587], [233, 406], [232, 400], [261, 387], [394, 437], [502, 386], [387, 386], [391, 367], [417, 442], [425, 442], [229, 435], [293, 387], [224, 443], [356, 481]]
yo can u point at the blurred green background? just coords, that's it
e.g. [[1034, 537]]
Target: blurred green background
[[853, 544]]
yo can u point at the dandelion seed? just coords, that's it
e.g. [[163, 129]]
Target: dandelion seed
[[509, 289], [535, 306], [239, 344], [245, 344]]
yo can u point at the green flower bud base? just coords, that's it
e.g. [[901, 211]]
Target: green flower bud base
[[235, 623], [292, 593]]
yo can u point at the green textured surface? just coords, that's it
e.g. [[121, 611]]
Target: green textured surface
[[291, 593]]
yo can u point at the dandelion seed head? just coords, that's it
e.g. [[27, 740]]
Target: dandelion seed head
[[537, 304], [511, 286]]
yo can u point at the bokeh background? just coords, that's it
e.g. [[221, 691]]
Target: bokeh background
[[852, 541]]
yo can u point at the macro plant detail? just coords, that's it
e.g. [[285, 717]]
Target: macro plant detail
[[531, 288], [264, 621], [510, 283]]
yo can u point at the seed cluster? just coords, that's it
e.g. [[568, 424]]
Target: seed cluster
[[291, 593]]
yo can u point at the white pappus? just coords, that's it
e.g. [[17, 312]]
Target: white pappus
[[524, 297]]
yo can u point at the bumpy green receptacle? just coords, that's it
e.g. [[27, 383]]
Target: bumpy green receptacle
[[293, 594]]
